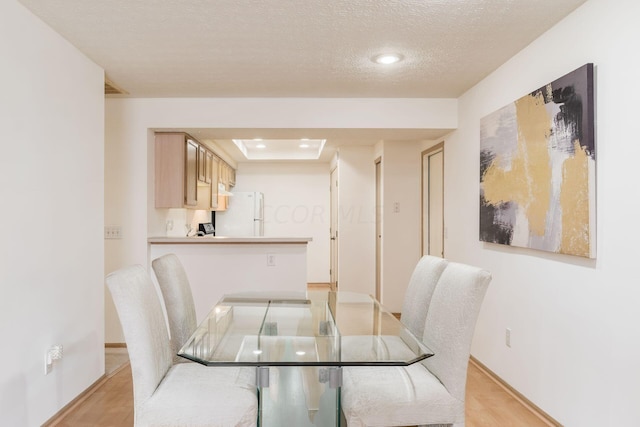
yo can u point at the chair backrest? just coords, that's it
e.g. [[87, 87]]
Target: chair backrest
[[178, 300], [144, 327], [419, 292], [451, 321]]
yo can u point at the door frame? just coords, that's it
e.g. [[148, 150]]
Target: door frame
[[378, 219], [425, 194]]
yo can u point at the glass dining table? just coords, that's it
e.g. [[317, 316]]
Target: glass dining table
[[299, 343]]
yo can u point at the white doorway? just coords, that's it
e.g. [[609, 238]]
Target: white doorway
[[433, 201]]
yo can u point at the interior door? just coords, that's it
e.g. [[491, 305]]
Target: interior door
[[433, 201], [333, 229]]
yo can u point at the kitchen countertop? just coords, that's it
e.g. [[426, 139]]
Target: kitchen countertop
[[227, 240]]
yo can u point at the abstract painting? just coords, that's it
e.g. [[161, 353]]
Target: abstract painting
[[537, 169]]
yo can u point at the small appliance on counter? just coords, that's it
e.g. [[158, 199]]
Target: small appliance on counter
[[205, 228]]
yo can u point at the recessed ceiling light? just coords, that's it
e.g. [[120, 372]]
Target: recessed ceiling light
[[304, 145], [257, 139], [387, 58], [261, 146]]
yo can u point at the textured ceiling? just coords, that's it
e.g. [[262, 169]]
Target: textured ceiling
[[299, 48]]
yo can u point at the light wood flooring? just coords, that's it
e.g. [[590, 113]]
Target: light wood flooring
[[488, 404]]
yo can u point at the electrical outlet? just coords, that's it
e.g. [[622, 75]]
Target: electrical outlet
[[52, 354], [113, 232], [271, 260], [507, 337]]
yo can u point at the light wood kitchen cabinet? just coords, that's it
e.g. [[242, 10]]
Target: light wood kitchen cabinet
[[232, 177], [227, 175], [223, 180], [202, 163], [208, 165], [222, 173], [191, 175], [215, 165], [176, 170], [187, 173]]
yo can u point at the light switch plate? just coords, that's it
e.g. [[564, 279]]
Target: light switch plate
[[113, 232]]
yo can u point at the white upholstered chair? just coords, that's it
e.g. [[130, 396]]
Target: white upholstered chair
[[164, 394], [414, 312], [178, 301], [431, 392], [418, 295]]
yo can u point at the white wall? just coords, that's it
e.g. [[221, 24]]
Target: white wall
[[356, 219], [401, 238], [574, 322], [296, 204], [128, 138], [51, 249]]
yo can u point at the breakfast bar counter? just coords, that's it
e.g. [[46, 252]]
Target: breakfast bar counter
[[219, 265]]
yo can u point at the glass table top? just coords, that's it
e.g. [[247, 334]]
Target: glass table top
[[314, 328]]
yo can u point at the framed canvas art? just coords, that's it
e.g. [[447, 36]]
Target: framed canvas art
[[537, 169]]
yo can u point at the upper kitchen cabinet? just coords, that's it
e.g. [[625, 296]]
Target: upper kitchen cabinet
[[187, 173], [226, 179], [191, 174], [208, 166], [215, 166], [176, 170], [227, 175], [232, 177], [205, 165], [202, 164]]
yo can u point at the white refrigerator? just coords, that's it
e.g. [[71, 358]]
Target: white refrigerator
[[243, 217]]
